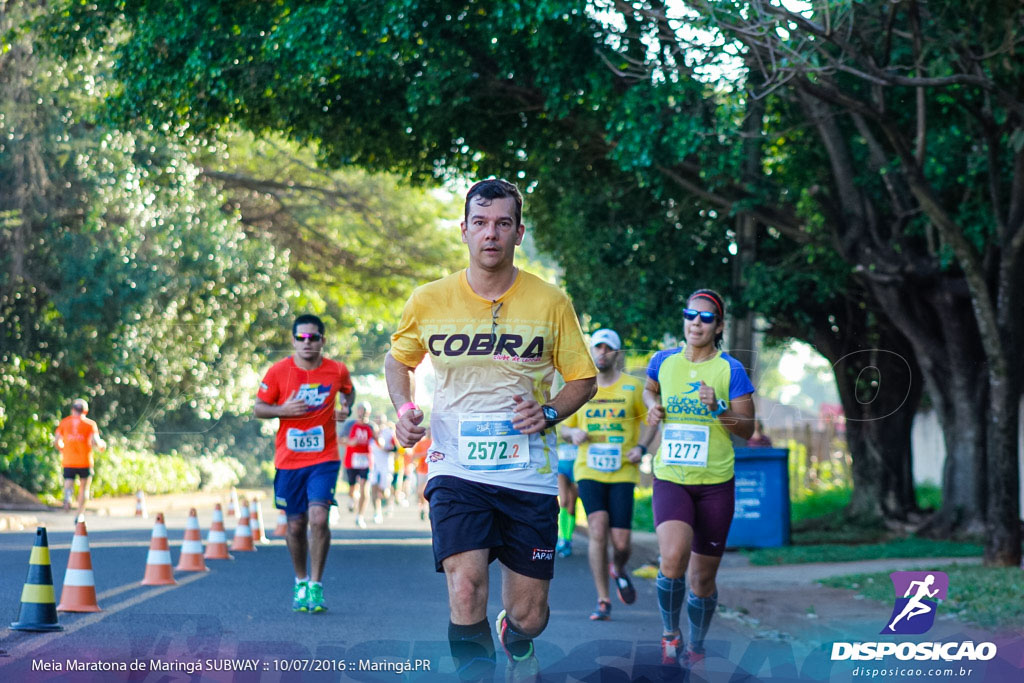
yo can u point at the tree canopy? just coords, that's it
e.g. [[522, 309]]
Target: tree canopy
[[887, 133], [155, 273]]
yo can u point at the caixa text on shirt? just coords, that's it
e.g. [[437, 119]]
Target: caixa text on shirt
[[512, 345]]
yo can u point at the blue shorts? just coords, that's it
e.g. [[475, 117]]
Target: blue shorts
[[615, 499], [519, 528], [296, 490], [565, 468]]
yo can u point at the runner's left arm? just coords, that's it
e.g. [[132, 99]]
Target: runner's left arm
[[97, 441], [738, 418], [529, 417]]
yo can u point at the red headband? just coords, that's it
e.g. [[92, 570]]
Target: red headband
[[712, 300]]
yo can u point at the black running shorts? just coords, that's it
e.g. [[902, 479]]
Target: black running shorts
[[519, 528], [615, 499]]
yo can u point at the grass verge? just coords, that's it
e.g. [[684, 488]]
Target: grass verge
[[981, 595], [842, 552]]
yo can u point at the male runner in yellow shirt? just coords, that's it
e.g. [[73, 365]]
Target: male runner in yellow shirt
[[607, 431], [496, 336]]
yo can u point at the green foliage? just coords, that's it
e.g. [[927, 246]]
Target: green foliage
[[816, 504], [929, 496], [124, 281], [976, 594], [643, 513], [357, 242], [121, 472], [155, 273], [901, 547], [218, 474]]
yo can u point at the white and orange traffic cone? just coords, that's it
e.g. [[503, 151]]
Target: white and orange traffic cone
[[79, 592], [158, 560], [217, 538], [140, 505], [242, 541], [233, 503], [191, 559], [259, 533], [281, 531]]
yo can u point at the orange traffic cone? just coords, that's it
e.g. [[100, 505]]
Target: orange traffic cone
[[191, 559], [242, 541], [233, 502], [79, 592], [140, 505], [158, 561], [282, 524], [217, 539], [259, 533]]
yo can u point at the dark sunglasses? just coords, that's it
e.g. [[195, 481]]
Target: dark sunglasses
[[309, 337], [705, 316]]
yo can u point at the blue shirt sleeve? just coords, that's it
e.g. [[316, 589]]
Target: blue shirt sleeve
[[655, 365], [739, 382]]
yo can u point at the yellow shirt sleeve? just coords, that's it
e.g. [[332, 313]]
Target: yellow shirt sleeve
[[572, 420], [571, 356], [406, 345], [640, 410]]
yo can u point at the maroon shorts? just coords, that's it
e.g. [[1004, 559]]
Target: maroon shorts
[[707, 508]]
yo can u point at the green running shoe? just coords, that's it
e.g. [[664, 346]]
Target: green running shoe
[[300, 596], [316, 598]]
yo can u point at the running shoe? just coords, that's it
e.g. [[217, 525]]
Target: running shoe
[[563, 548], [316, 598], [603, 611], [360, 522], [623, 585], [519, 669], [300, 597], [692, 660], [670, 646], [351, 505], [378, 518]]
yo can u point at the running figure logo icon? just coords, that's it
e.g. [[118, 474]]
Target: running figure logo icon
[[917, 596]]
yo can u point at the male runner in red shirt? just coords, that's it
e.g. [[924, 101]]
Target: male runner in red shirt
[[301, 391]]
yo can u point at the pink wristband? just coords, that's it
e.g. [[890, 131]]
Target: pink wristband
[[406, 407]]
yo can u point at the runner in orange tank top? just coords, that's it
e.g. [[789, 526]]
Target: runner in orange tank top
[[75, 438]]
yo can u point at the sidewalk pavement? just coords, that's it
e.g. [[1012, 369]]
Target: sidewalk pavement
[[786, 603]]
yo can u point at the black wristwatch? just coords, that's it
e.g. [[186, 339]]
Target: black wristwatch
[[550, 415]]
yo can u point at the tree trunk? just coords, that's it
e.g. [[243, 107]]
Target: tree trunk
[[1002, 525], [741, 327], [938, 320], [879, 386]]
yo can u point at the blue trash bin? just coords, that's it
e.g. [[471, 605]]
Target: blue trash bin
[[761, 517]]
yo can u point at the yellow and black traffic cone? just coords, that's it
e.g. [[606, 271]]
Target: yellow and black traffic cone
[[38, 603]]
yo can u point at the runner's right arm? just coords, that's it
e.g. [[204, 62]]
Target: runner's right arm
[[401, 388], [293, 407], [652, 399]]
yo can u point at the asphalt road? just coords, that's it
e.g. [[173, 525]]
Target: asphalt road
[[387, 612]]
